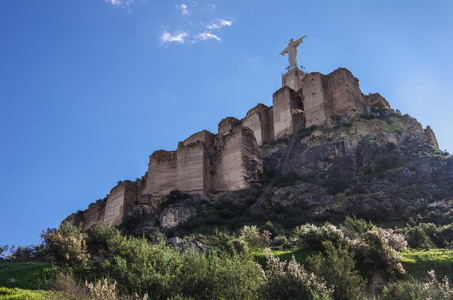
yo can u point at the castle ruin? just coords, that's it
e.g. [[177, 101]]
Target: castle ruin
[[231, 160]]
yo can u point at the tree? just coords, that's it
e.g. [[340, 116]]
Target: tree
[[66, 246]]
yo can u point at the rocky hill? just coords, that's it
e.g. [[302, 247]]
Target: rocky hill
[[378, 165], [317, 154]]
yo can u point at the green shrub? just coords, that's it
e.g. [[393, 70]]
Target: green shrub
[[153, 269], [129, 223], [432, 288], [219, 276], [417, 238], [444, 236], [218, 238], [27, 253], [66, 246], [310, 236], [99, 238], [378, 249], [254, 238], [236, 246], [354, 227], [281, 240], [289, 280], [270, 228], [404, 290], [424, 235], [337, 267]]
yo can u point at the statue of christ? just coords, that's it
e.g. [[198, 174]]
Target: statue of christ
[[291, 49]]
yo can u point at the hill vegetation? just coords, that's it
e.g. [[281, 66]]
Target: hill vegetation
[[358, 208], [352, 260]]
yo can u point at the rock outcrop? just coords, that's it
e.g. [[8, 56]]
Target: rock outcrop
[[176, 214], [181, 245], [373, 165], [335, 139]]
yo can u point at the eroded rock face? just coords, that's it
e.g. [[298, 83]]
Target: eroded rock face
[[375, 165], [176, 214]]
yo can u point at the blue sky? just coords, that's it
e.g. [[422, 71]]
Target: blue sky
[[89, 89]]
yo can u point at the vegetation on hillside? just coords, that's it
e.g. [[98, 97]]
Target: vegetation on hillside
[[352, 260], [304, 241]]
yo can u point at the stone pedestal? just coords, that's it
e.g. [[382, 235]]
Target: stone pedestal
[[293, 78]]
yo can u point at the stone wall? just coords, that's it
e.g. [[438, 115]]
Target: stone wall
[[161, 177], [313, 99], [75, 219], [342, 93], [239, 162], [288, 106], [228, 161], [231, 159], [204, 136], [293, 78], [94, 213], [228, 124], [192, 168], [259, 121], [283, 119], [121, 198]]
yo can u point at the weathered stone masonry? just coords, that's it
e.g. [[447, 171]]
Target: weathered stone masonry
[[231, 159]]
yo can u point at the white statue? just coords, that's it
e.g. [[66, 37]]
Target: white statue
[[291, 49]]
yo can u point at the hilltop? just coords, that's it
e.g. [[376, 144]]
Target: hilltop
[[319, 153]]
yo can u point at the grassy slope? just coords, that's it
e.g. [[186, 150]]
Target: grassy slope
[[24, 275], [418, 262], [19, 294]]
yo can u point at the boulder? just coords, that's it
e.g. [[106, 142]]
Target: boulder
[[183, 245], [176, 214], [201, 200]]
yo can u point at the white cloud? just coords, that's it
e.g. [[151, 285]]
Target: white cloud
[[206, 36], [125, 4], [198, 31], [175, 37], [183, 8], [120, 2], [219, 24]]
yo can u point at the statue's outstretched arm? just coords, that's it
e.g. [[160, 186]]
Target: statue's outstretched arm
[[300, 40], [284, 51]]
